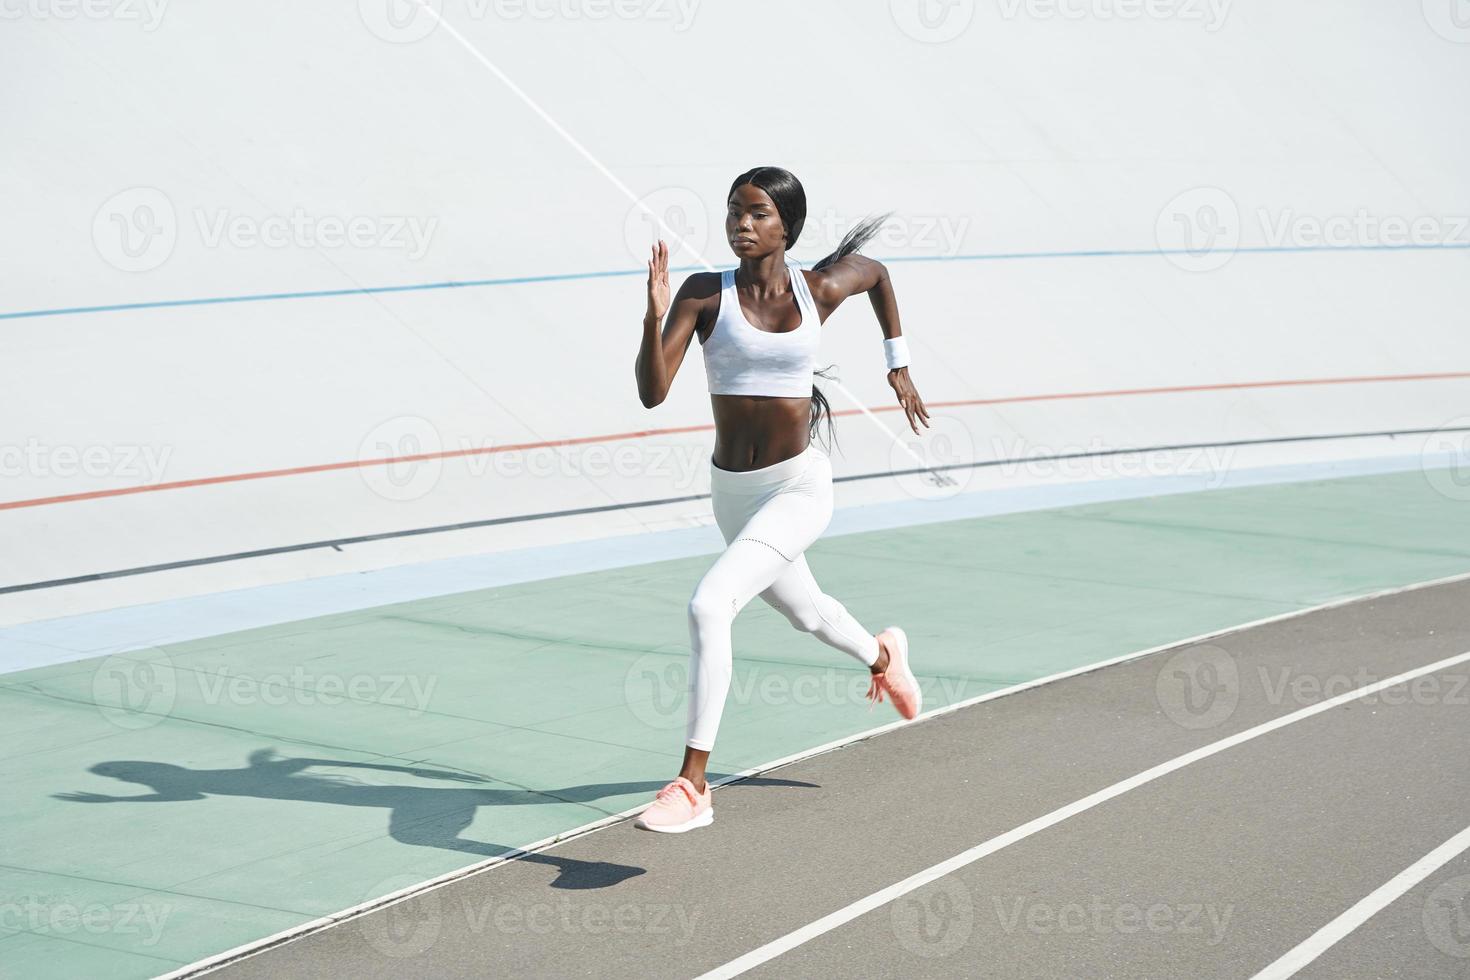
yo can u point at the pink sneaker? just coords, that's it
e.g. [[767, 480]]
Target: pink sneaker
[[897, 680], [678, 807]]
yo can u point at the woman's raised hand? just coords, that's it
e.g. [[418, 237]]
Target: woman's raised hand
[[658, 281]]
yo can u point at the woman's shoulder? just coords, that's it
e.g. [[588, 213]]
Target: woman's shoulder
[[701, 290], [818, 284], [701, 285], [839, 279]]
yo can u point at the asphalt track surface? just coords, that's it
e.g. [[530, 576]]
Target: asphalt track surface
[[1215, 869]]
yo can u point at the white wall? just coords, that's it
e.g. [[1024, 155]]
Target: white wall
[[1031, 131]]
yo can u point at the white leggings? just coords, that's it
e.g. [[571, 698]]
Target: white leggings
[[768, 516]]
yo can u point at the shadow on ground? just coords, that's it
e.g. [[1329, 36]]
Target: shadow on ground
[[423, 816]]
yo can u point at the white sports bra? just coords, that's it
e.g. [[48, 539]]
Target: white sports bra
[[740, 359]]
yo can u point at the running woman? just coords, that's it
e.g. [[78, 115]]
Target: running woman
[[770, 486]]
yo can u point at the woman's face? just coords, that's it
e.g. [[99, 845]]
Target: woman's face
[[753, 226]]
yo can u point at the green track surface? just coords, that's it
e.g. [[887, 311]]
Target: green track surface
[[172, 803]]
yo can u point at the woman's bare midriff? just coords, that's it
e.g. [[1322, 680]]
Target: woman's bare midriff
[[752, 431]]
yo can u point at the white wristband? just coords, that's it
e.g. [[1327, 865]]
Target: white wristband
[[896, 352]]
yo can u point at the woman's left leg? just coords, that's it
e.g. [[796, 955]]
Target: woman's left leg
[[798, 597]]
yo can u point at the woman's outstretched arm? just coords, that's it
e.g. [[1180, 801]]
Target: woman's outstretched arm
[[660, 354], [853, 274]]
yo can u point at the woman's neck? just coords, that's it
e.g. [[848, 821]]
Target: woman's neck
[[764, 276]]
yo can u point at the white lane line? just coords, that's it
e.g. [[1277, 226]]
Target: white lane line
[[883, 896], [560, 130], [292, 933], [1383, 896], [628, 192]]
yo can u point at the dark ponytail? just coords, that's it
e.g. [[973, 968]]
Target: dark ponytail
[[786, 192], [861, 234], [855, 239]]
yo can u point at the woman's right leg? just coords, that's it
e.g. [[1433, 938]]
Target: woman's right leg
[[738, 575], [742, 571]]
